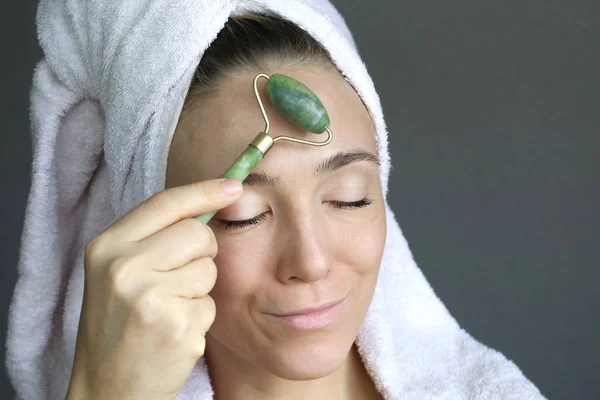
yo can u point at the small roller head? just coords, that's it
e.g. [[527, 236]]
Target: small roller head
[[297, 103]]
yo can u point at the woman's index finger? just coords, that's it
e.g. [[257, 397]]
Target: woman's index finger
[[169, 206]]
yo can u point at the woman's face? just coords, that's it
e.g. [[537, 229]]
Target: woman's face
[[302, 248]]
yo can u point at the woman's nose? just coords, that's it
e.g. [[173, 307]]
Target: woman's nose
[[304, 252]]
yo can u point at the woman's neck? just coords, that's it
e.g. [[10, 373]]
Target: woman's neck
[[233, 378]]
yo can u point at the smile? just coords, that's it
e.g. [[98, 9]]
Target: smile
[[314, 318]]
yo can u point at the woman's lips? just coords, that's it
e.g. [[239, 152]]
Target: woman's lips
[[311, 318]]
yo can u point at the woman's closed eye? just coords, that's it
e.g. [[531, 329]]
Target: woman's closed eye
[[259, 218]]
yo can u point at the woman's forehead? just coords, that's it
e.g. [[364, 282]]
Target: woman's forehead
[[219, 128]]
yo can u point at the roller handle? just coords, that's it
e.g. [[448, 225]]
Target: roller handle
[[240, 169]]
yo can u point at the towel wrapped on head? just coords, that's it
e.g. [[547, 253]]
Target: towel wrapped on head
[[106, 100]]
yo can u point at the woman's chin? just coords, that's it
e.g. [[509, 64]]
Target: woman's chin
[[308, 362]]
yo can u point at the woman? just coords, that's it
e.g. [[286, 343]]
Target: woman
[[303, 241], [285, 294]]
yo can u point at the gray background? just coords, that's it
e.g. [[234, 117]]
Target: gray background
[[492, 109]]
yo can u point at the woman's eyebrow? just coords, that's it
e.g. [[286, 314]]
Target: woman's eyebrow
[[330, 164]]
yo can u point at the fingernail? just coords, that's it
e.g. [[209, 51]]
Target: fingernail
[[231, 186]]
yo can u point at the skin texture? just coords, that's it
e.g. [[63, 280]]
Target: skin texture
[[304, 252]]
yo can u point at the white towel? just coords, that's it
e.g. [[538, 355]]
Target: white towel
[[105, 102]]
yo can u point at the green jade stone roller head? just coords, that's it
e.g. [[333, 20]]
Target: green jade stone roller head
[[296, 103]]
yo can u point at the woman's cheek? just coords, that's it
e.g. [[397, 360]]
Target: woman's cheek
[[239, 272], [361, 245]]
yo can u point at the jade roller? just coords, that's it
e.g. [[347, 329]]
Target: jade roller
[[296, 103]]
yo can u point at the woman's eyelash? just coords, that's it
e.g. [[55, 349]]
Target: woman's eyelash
[[240, 224], [354, 204], [247, 222]]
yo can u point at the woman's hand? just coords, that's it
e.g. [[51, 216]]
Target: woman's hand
[[146, 307]]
